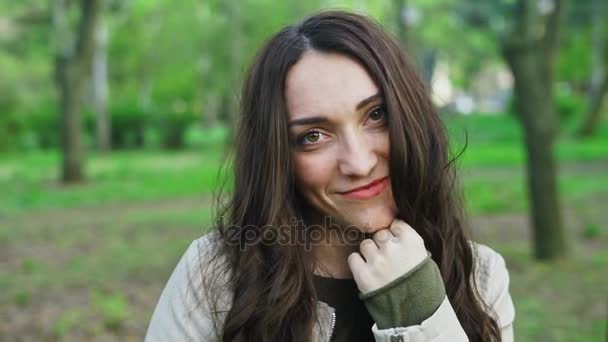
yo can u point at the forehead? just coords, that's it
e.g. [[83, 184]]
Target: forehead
[[326, 84]]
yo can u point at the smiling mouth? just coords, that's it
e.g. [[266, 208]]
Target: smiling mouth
[[368, 191]]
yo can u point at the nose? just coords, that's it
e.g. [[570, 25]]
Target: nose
[[357, 157]]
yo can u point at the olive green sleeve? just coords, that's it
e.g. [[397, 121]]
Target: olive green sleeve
[[409, 299]]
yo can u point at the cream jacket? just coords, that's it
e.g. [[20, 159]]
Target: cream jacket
[[180, 316]]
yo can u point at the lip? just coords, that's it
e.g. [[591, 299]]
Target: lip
[[367, 191]]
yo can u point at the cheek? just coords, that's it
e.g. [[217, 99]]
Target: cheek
[[381, 143], [312, 172]]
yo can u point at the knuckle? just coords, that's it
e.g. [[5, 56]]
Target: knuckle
[[401, 223], [397, 230], [367, 243], [382, 236], [400, 226], [396, 223]]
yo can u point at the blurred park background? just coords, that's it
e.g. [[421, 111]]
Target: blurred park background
[[115, 118]]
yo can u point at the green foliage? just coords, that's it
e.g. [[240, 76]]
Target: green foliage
[[481, 128], [131, 127], [205, 138], [30, 266], [134, 127], [66, 322], [11, 128], [173, 126], [43, 126], [157, 66], [22, 297], [128, 122], [569, 105], [113, 308], [574, 57], [11, 123], [592, 231], [600, 260]]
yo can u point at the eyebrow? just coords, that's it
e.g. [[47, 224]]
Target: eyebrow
[[322, 119]]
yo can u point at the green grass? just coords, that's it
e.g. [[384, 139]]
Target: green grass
[[498, 141], [30, 182], [509, 194], [561, 301]]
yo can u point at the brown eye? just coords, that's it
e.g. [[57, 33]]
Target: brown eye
[[377, 114], [309, 138], [312, 136]]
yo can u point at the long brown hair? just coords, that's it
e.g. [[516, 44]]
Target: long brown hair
[[273, 294]]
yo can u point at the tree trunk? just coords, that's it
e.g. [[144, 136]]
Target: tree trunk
[[428, 64], [72, 64], [599, 71], [210, 113], [530, 57], [100, 88], [593, 115], [399, 7], [70, 122], [235, 11]]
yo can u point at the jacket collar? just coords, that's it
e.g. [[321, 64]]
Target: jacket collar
[[323, 328]]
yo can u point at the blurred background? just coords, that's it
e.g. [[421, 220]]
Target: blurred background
[[115, 117]]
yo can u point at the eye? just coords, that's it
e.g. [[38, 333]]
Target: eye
[[309, 138], [378, 114]]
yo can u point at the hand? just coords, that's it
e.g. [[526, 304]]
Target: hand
[[392, 253]]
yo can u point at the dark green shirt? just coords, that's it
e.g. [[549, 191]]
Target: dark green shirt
[[353, 322]]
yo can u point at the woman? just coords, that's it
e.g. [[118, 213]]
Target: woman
[[344, 223]]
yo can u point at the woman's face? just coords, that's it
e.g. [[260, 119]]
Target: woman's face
[[340, 142]]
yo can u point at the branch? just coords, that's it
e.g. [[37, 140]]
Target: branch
[[34, 17], [551, 37], [519, 38], [86, 29]]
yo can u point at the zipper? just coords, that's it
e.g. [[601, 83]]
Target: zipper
[[333, 325]]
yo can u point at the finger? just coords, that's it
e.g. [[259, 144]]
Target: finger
[[406, 233], [357, 267], [356, 262], [399, 227], [368, 249], [383, 236]]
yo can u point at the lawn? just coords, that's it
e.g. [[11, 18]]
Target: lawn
[[89, 261]]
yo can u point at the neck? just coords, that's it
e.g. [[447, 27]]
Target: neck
[[331, 259], [331, 248]]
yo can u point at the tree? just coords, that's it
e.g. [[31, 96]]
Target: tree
[[407, 17], [72, 65], [527, 32], [599, 69], [530, 50], [400, 10], [99, 87]]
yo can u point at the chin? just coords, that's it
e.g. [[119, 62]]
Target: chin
[[366, 218], [372, 227], [380, 220], [370, 217]]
